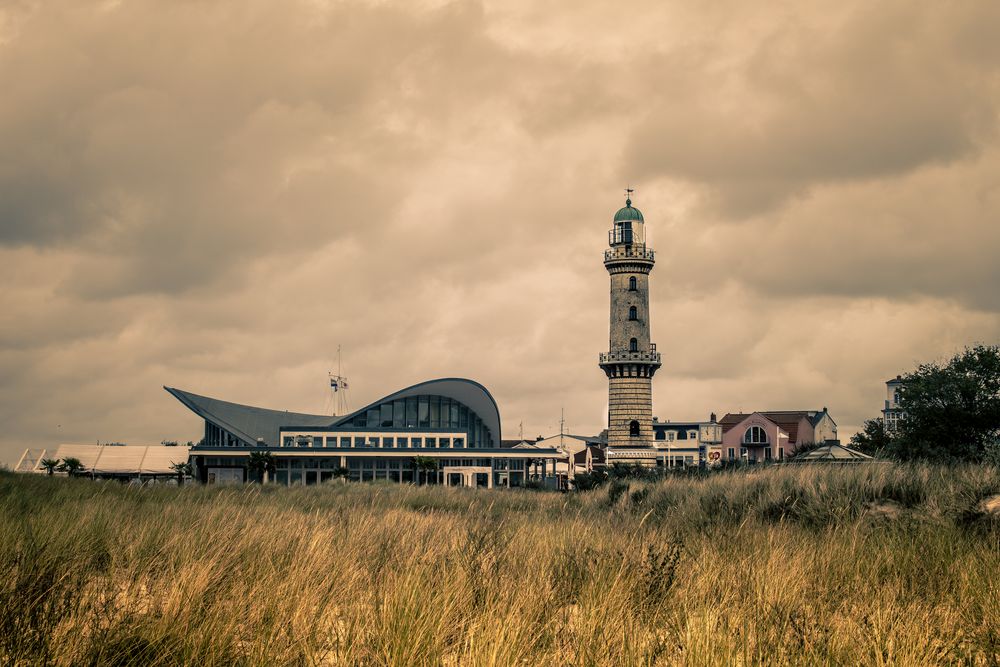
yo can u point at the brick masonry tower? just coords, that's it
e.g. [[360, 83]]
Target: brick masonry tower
[[631, 359]]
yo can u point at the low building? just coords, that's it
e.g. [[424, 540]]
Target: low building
[[122, 462], [832, 451], [765, 436], [453, 422], [686, 444]]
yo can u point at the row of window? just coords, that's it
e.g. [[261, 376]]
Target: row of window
[[744, 453], [426, 411], [372, 441], [679, 435]]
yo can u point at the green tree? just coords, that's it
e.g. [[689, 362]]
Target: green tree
[[872, 439], [586, 481], [262, 464], [341, 472], [50, 465], [72, 466], [424, 464], [183, 470], [951, 411]]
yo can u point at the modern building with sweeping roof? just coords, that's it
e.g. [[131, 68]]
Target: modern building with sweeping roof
[[454, 422]]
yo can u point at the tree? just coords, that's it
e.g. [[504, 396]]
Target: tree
[[424, 464], [50, 465], [183, 470], [340, 472], [261, 463], [873, 439], [587, 481], [951, 411], [71, 466]]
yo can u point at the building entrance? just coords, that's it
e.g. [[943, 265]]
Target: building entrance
[[471, 477]]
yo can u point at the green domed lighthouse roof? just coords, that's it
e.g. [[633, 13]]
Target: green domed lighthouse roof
[[628, 213]]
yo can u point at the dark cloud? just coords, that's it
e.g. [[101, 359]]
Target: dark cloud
[[880, 94]]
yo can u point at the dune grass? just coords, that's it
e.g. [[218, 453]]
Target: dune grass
[[875, 564]]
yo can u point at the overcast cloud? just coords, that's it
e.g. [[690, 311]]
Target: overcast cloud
[[214, 195]]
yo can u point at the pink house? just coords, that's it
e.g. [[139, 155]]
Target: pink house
[[766, 436]]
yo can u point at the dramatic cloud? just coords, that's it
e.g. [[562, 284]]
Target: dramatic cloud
[[214, 195]]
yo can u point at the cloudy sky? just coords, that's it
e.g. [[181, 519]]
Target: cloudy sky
[[215, 195]]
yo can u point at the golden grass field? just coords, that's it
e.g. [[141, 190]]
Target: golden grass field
[[875, 564]]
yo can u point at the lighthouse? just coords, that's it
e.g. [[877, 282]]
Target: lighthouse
[[631, 359]]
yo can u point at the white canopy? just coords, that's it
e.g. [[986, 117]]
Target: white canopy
[[123, 459]]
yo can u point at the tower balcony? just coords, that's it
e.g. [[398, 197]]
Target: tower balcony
[[629, 254], [651, 357]]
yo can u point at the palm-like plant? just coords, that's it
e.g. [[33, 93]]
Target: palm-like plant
[[72, 466], [424, 464], [263, 464], [49, 465], [183, 469]]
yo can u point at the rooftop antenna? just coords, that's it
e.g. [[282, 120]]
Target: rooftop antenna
[[338, 385]]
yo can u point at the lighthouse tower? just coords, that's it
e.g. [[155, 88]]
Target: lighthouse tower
[[631, 359]]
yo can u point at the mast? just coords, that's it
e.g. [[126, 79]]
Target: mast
[[338, 384]]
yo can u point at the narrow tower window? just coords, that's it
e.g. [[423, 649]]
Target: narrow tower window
[[633, 314], [633, 345], [633, 429], [631, 284]]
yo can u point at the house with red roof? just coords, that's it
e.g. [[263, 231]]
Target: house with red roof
[[773, 435]]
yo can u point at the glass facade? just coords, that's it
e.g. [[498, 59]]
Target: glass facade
[[430, 412]]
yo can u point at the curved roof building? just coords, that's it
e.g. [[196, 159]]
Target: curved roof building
[[447, 404], [444, 431]]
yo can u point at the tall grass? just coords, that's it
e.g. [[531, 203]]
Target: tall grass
[[875, 564]]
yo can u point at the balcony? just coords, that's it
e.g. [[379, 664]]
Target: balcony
[[651, 357], [640, 252]]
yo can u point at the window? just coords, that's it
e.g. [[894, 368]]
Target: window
[[345, 441], [633, 345], [633, 314], [670, 436], [633, 429], [631, 284], [693, 435], [732, 453], [661, 435], [418, 442], [755, 435], [781, 454], [359, 441], [767, 454], [403, 442], [317, 441], [387, 442], [411, 411], [432, 442], [445, 443], [287, 441], [424, 411]]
